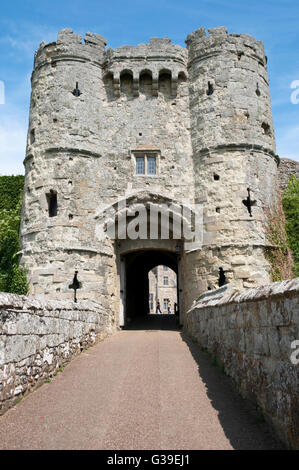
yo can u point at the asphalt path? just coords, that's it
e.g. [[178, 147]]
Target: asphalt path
[[143, 388]]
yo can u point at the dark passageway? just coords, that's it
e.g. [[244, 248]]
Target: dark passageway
[[138, 264]]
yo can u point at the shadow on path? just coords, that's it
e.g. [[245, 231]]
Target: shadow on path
[[237, 416], [154, 322]]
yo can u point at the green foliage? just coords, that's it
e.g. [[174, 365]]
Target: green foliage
[[18, 281], [11, 188], [278, 252], [12, 277], [291, 209]]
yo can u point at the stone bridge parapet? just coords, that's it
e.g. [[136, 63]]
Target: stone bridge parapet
[[38, 337], [254, 336]]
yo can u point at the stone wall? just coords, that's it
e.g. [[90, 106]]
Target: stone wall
[[36, 338], [250, 333], [161, 291], [287, 167]]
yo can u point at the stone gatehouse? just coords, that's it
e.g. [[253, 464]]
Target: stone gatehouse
[[153, 125]]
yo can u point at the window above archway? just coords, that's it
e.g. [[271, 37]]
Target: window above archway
[[146, 163]]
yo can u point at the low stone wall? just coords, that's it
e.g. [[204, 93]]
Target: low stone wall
[[250, 333], [36, 338]]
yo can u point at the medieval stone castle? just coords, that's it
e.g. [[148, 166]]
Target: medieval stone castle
[[115, 135], [154, 124]]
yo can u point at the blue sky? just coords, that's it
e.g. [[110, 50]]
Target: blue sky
[[24, 24]]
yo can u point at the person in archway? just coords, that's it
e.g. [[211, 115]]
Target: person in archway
[[158, 307]]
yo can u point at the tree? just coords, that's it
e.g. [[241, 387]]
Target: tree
[[12, 277]]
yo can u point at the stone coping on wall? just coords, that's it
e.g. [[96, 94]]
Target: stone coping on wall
[[22, 302], [228, 294], [39, 336], [251, 334]]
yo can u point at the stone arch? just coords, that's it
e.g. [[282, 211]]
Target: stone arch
[[109, 85], [165, 76], [182, 77], [146, 82], [126, 82], [160, 216]]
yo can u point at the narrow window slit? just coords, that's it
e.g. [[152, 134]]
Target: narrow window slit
[[248, 202], [222, 278], [52, 203], [76, 91], [76, 284], [210, 89], [266, 128], [258, 92], [32, 136]]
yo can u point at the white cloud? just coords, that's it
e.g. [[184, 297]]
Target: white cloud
[[25, 37], [12, 147], [13, 127]]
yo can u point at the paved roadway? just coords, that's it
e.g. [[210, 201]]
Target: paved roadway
[[140, 389]]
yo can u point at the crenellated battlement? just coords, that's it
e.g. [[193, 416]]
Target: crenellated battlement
[[71, 46], [156, 49], [156, 59], [202, 46]]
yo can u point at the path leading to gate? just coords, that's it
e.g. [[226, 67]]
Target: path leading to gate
[[140, 389]]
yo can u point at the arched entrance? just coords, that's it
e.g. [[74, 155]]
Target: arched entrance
[[135, 281], [147, 230]]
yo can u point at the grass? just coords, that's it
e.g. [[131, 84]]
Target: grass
[[60, 369]]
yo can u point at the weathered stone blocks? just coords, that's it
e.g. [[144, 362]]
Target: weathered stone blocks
[[36, 338], [251, 333]]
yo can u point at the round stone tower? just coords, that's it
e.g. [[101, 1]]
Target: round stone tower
[[104, 126], [155, 124], [234, 155]]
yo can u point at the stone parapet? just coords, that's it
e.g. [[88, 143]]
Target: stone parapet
[[38, 337], [251, 334]]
